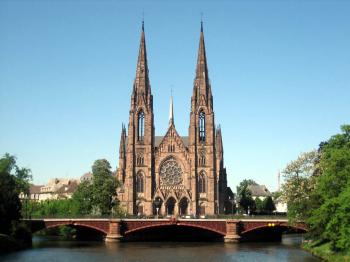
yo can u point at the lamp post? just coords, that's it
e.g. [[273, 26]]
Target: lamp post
[[112, 206], [232, 201], [157, 204], [237, 205]]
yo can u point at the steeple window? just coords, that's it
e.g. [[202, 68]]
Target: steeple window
[[202, 126], [141, 125], [139, 183], [201, 183]]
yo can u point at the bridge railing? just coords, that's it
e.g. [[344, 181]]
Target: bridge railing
[[126, 216]]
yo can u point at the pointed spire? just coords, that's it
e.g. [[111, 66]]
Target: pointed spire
[[141, 84], [202, 68], [122, 146], [219, 146], [219, 139], [171, 110], [201, 82]]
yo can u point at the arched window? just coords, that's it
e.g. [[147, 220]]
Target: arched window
[[141, 125], [202, 126], [201, 183], [139, 183], [140, 159]]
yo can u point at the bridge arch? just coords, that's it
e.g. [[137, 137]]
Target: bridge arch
[[296, 228], [174, 231], [54, 224], [269, 232]]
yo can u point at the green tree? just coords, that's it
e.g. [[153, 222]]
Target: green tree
[[13, 181], [10, 205], [268, 205], [21, 175], [300, 180], [246, 202], [317, 189], [104, 186], [329, 218], [259, 205], [83, 198], [244, 184]]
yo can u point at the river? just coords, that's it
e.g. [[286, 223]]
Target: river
[[50, 250]]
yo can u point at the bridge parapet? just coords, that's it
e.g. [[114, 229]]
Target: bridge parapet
[[232, 230]]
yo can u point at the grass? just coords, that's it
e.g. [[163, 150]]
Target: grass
[[325, 252]]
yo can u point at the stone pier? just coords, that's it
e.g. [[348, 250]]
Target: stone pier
[[232, 231], [114, 231]]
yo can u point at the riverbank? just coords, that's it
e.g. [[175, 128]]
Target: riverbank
[[324, 252], [8, 244]]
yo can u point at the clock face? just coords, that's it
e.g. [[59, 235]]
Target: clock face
[[170, 173]]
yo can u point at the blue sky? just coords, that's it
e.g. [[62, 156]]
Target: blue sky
[[279, 72]]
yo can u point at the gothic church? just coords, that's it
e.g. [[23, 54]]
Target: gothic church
[[172, 174]]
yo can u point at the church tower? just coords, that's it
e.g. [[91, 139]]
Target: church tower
[[140, 141], [171, 175], [202, 138]]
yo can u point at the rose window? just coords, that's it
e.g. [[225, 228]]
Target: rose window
[[170, 173]]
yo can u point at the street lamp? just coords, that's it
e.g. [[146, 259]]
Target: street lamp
[[237, 205], [112, 206], [231, 200], [157, 203]]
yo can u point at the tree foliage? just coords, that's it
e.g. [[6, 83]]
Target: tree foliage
[[13, 181], [268, 205], [246, 202], [320, 192], [244, 184], [300, 178], [330, 219], [103, 187]]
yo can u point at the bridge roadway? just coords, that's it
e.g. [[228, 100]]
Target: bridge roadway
[[230, 230]]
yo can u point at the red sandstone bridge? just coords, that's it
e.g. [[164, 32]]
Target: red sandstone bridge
[[229, 230]]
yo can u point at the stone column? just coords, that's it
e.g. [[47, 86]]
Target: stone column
[[176, 209], [114, 231], [232, 231], [162, 210]]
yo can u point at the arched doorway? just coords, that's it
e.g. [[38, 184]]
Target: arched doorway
[[170, 206], [183, 206], [157, 206]]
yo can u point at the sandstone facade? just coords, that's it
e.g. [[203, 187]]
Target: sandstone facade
[[172, 174]]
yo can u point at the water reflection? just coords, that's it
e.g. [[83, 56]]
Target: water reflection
[[48, 249]]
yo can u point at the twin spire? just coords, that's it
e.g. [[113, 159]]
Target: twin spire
[[141, 84], [201, 86]]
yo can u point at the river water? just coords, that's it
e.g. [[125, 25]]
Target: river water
[[50, 250]]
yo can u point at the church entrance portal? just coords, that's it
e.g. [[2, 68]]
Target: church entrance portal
[[183, 206], [170, 206]]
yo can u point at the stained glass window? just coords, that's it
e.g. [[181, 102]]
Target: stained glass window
[[170, 173], [141, 125], [202, 126]]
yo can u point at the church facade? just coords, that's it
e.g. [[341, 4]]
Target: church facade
[[172, 174]]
